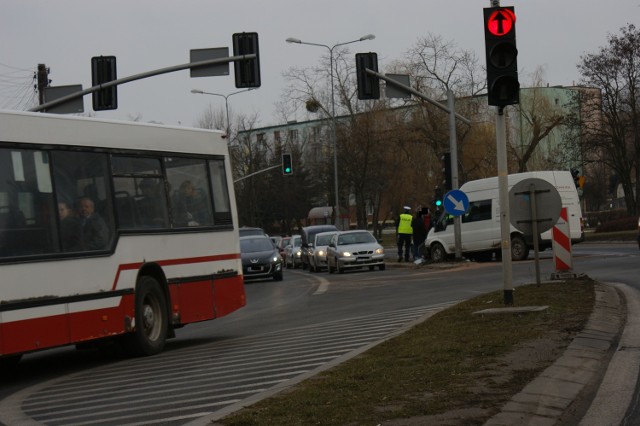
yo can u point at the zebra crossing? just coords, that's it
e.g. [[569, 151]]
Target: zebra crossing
[[176, 387]]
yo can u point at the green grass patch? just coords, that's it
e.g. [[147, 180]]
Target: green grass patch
[[452, 361]]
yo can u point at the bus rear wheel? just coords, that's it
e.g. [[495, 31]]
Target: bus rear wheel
[[151, 319]]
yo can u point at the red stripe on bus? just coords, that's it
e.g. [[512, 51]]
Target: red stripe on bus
[[173, 262]]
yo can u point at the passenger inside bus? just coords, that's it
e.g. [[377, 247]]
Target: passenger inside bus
[[189, 206], [95, 234], [152, 206], [70, 228]]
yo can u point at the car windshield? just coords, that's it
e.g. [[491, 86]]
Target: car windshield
[[296, 241], [323, 240], [253, 245], [356, 238]]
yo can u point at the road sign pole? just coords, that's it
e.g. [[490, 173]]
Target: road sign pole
[[503, 190], [534, 226], [453, 149]]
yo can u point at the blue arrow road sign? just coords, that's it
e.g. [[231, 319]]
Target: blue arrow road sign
[[456, 202]]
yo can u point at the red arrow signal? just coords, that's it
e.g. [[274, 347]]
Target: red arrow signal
[[501, 21]]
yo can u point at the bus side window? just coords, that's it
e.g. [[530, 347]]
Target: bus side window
[[26, 204], [191, 201], [83, 179]]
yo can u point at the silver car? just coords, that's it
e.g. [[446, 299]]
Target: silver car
[[318, 251], [354, 249], [293, 253]]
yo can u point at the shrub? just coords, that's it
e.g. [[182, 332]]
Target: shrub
[[621, 224]]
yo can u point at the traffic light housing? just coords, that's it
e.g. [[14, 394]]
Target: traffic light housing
[[287, 164], [247, 72], [103, 70], [503, 87], [446, 171], [437, 197], [368, 85], [578, 179]]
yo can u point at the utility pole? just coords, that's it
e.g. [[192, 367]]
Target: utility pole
[[43, 81]]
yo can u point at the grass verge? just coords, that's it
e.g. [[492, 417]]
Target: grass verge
[[456, 363]]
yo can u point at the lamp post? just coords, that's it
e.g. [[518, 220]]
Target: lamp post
[[333, 111], [226, 103]]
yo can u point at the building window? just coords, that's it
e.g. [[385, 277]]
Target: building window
[[293, 135]]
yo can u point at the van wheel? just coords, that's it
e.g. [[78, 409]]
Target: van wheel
[[151, 319], [519, 248], [437, 253]]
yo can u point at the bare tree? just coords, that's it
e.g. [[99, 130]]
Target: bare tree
[[539, 116], [615, 139]]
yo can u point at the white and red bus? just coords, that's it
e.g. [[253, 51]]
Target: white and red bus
[[112, 230]]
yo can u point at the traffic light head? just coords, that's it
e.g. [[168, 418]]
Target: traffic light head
[[287, 165], [103, 70], [503, 87], [446, 171], [437, 196], [247, 72], [368, 85]]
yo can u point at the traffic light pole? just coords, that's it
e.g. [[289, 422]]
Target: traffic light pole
[[140, 76], [453, 145], [503, 196], [418, 94]]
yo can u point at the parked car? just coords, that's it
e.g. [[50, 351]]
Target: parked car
[[293, 253], [308, 236], [284, 242], [318, 253], [354, 249], [247, 230], [260, 259]]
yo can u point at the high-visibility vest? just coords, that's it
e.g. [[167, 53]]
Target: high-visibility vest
[[404, 226]]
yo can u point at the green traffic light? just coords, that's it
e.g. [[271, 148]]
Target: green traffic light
[[287, 170], [438, 203]]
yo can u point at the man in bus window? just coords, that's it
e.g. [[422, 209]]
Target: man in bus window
[[95, 233], [189, 206]]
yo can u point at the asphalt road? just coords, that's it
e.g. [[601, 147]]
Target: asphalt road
[[289, 329]]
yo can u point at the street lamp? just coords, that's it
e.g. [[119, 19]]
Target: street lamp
[[333, 109], [226, 103]]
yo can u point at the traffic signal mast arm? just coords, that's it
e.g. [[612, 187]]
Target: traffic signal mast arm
[[415, 92], [258, 172], [140, 77]]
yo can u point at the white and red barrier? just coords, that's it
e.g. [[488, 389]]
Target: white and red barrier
[[561, 244]]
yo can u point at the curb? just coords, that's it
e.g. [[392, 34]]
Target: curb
[[556, 393]]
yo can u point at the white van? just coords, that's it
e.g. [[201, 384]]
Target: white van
[[480, 225]]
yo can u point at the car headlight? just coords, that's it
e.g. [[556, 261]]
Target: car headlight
[[380, 251], [346, 254], [321, 253], [275, 259], [298, 253]]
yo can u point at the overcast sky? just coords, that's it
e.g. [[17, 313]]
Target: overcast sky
[[150, 34]]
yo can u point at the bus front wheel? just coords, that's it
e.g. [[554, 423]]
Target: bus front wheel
[[151, 320]]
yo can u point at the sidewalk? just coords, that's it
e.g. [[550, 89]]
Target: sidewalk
[[593, 382]]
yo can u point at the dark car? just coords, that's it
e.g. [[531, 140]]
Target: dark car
[[260, 258], [247, 230], [308, 237]]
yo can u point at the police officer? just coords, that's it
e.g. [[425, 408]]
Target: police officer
[[404, 232]]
